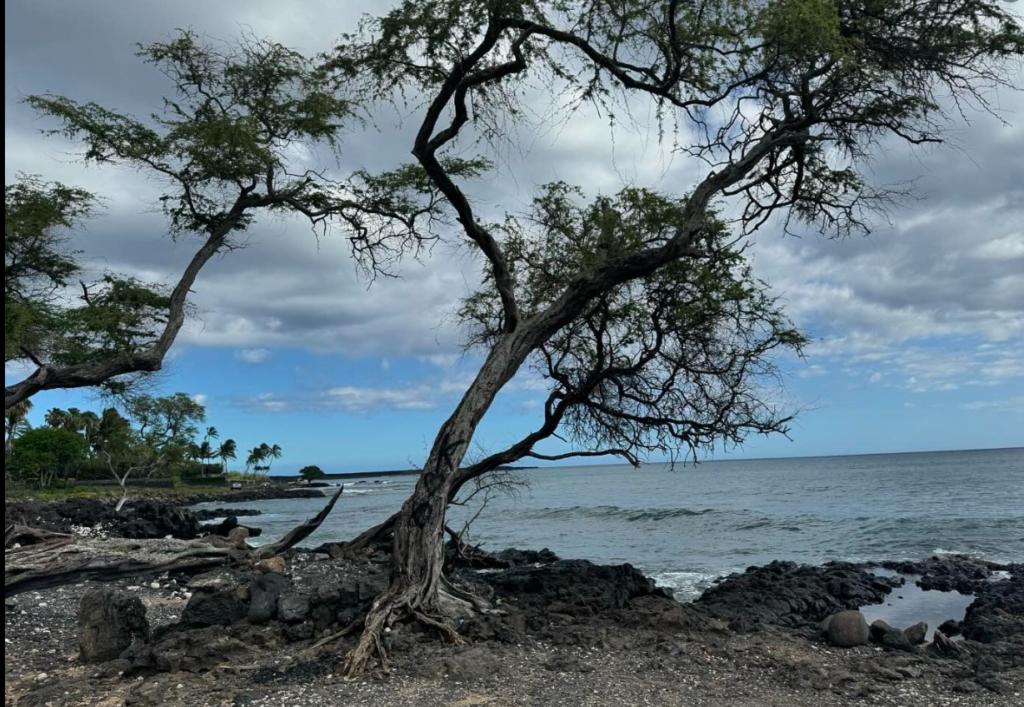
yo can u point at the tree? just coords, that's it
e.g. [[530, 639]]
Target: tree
[[47, 453], [38, 260], [784, 101], [224, 145], [16, 420], [227, 452], [312, 473], [254, 459], [270, 455]]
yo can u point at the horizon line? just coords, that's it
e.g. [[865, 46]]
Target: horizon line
[[397, 472]]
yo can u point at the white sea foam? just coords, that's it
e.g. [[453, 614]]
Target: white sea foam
[[687, 586]]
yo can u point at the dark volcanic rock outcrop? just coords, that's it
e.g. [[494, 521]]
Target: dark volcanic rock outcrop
[[141, 519], [793, 596]]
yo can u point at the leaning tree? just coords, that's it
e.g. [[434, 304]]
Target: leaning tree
[[224, 149], [637, 308]]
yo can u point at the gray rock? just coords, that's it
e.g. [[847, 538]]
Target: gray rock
[[265, 593], [917, 635], [214, 608], [293, 609], [848, 629], [10, 604], [300, 632], [109, 624], [888, 637]]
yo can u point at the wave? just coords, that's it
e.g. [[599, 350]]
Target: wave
[[629, 515]]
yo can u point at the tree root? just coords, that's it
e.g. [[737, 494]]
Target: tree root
[[393, 608]]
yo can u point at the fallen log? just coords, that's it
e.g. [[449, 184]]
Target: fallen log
[[302, 532], [47, 560]]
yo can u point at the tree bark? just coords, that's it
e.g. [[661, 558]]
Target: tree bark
[[417, 586]]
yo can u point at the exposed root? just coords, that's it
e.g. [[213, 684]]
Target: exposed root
[[448, 633], [393, 608]]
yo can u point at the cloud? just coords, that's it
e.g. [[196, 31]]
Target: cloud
[[931, 370], [814, 371], [255, 357], [201, 399], [1007, 405]]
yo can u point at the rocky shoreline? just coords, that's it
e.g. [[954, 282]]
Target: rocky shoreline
[[561, 633]]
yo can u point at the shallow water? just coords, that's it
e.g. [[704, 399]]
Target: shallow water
[[687, 526], [911, 605]]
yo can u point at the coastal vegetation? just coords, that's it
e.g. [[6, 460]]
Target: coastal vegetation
[[147, 438]]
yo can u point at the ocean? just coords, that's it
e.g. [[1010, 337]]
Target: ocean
[[689, 525]]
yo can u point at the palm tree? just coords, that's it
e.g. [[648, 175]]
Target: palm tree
[[255, 458], [272, 454], [227, 452], [16, 420]]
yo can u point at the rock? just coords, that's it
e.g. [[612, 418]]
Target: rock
[[950, 573], [888, 637], [793, 596], [477, 664], [571, 587], [294, 609], [300, 632], [230, 525], [275, 565], [952, 628], [997, 614], [209, 608], [109, 624], [848, 629], [265, 593], [917, 635], [943, 647], [141, 519], [10, 604], [193, 651], [238, 536], [208, 515]]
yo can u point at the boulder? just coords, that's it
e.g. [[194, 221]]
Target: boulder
[[264, 594], [294, 609], [952, 628], [109, 623], [275, 565], [943, 647], [300, 632], [209, 608], [238, 536], [917, 635], [998, 613], [225, 529], [848, 629], [891, 638]]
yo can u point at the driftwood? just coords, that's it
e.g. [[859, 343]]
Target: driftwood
[[36, 559], [302, 532]]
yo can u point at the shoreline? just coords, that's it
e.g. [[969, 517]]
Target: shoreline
[[567, 632]]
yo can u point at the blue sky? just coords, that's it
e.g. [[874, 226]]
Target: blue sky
[[919, 329]]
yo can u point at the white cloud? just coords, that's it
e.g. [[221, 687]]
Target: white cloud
[[254, 356], [201, 399], [814, 371], [1008, 405]]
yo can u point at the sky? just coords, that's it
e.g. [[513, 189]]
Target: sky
[[918, 329]]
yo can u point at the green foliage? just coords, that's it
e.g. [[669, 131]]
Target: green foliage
[[312, 473], [237, 112], [48, 453], [674, 361], [38, 259], [803, 32]]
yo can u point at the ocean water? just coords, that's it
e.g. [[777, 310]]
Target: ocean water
[[688, 525]]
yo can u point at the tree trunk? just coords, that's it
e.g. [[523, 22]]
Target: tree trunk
[[417, 587]]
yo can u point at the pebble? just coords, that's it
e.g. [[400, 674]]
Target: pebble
[[155, 586]]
